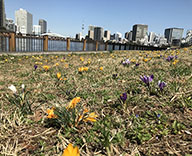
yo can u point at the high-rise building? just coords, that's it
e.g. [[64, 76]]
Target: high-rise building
[[2, 15], [43, 25], [107, 35], [173, 34], [118, 36], [24, 21], [151, 37], [139, 32], [91, 27], [128, 35], [36, 29], [10, 25], [98, 33], [91, 34]]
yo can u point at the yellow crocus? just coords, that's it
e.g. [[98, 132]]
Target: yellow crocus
[[51, 114], [91, 117], [46, 68], [57, 64], [71, 151], [175, 62], [82, 59], [80, 69], [85, 68], [59, 75], [101, 68], [74, 102]]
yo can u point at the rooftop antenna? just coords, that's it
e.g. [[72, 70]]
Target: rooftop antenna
[[83, 27]]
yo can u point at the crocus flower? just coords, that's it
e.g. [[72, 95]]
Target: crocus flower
[[59, 75], [91, 117], [170, 58], [101, 68], [71, 151], [46, 68], [23, 87], [137, 64], [136, 115], [161, 85], [147, 79], [35, 66], [13, 89], [51, 114], [126, 62], [74, 102], [158, 115], [123, 97]]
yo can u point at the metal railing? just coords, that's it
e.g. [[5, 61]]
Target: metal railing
[[4, 42], [28, 43], [18, 43]]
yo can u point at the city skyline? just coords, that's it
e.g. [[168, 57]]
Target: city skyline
[[116, 17]]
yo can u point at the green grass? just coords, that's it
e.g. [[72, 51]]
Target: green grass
[[149, 122]]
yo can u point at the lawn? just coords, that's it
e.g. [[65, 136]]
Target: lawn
[[121, 103]]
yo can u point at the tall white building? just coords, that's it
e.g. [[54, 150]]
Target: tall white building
[[151, 37], [36, 29], [24, 21]]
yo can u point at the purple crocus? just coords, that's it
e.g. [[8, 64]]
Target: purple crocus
[[126, 62], [137, 64], [161, 85], [35, 66], [147, 79], [123, 97], [170, 58], [158, 115]]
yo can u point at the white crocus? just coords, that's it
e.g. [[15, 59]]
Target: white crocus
[[23, 86], [13, 89]]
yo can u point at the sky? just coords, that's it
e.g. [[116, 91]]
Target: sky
[[67, 16]]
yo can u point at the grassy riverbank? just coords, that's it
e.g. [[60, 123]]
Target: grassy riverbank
[[118, 112]]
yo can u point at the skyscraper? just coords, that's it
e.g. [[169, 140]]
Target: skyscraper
[[151, 37], [107, 35], [36, 29], [128, 35], [2, 15], [91, 34], [98, 33], [139, 32], [10, 25], [43, 25], [173, 34], [24, 21]]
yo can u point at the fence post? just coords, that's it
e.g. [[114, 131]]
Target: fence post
[[96, 46], [106, 46], [12, 42], [113, 46], [45, 43], [84, 45], [120, 46], [68, 44]]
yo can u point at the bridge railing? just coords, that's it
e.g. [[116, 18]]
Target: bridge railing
[[4, 42], [18, 43]]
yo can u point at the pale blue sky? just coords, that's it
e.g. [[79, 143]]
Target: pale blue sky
[[66, 16]]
